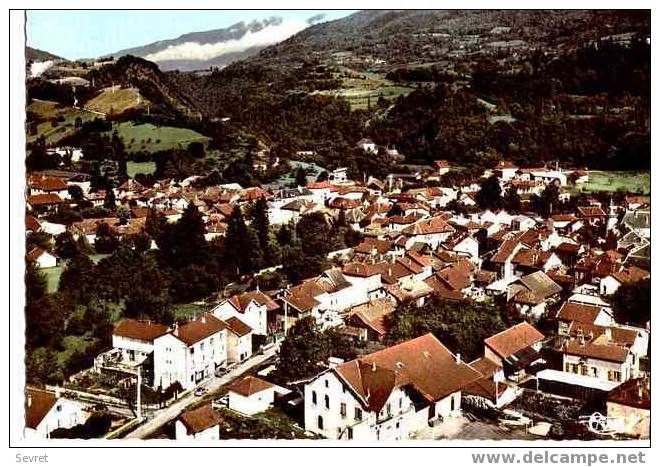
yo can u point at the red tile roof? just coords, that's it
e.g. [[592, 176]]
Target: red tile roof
[[249, 386], [200, 419], [241, 301], [238, 327], [37, 405], [579, 312], [44, 199], [140, 330], [199, 329], [514, 339], [423, 364]]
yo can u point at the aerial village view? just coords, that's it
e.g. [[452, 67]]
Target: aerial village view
[[365, 226]]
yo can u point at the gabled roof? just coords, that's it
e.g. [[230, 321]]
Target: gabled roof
[[540, 285], [591, 211], [630, 275], [238, 327], [249, 386], [200, 419], [372, 314], [46, 183], [44, 199], [423, 364], [571, 311], [35, 253], [434, 225], [514, 339], [199, 329], [241, 301], [634, 393], [31, 223], [140, 330], [37, 405]]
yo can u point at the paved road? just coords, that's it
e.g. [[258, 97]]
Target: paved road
[[160, 417]]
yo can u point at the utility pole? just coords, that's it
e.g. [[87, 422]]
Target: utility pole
[[139, 387]]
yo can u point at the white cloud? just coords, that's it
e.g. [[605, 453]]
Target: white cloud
[[37, 68], [195, 51]]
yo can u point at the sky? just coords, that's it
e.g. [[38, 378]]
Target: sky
[[75, 34]]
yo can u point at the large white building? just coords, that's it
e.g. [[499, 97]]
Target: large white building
[[250, 307], [190, 353], [389, 394]]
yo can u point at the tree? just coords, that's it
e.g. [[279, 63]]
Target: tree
[[196, 149], [632, 303], [106, 241], [77, 278], [548, 202], [242, 247], [511, 200], [65, 245], [110, 201], [184, 243], [461, 326], [303, 349], [315, 234], [261, 225], [490, 194], [301, 177]]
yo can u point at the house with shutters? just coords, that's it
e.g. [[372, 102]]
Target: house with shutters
[[253, 308], [389, 394], [46, 411], [190, 352]]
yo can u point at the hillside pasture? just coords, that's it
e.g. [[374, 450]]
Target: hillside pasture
[[47, 112], [115, 100], [153, 138], [638, 182]]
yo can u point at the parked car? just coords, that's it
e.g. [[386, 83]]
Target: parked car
[[200, 391]]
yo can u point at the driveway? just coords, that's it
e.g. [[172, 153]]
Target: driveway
[[160, 417]]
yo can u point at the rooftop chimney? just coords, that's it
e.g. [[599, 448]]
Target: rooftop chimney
[[29, 401], [175, 331], [458, 358]]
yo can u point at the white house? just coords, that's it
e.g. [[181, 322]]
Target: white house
[[367, 146], [46, 411], [41, 258], [190, 353], [201, 424], [432, 231], [252, 308], [250, 395], [134, 339], [239, 340], [610, 284], [389, 394]]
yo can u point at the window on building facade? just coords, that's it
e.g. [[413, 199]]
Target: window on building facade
[[327, 401], [327, 383], [319, 422], [358, 413], [342, 410], [349, 432], [314, 397]]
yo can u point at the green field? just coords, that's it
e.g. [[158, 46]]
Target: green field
[[133, 168], [116, 100], [53, 274], [152, 138], [638, 182], [51, 110], [364, 89]]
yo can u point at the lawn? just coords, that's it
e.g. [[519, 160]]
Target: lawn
[[53, 274], [49, 110], [363, 89], [272, 424], [133, 168], [71, 345], [187, 311], [627, 181], [152, 138], [116, 100]]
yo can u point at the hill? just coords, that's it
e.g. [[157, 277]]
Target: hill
[[36, 55], [217, 47]]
